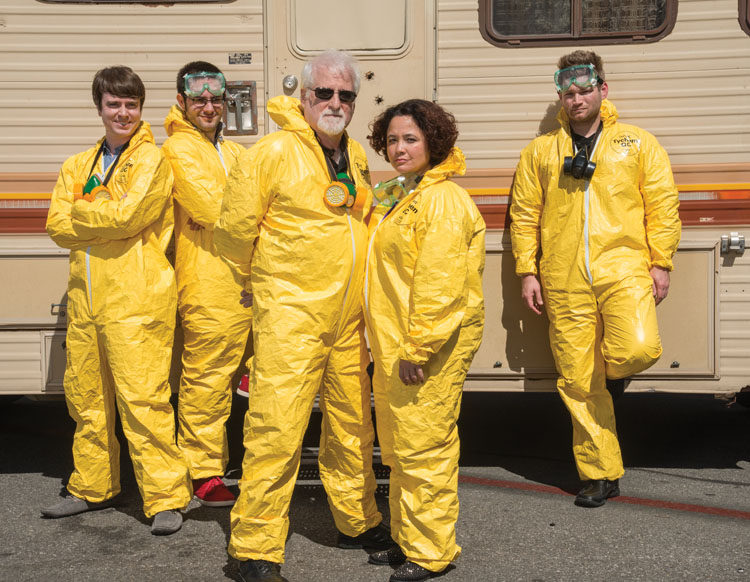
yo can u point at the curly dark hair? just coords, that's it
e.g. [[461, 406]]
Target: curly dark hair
[[437, 125]]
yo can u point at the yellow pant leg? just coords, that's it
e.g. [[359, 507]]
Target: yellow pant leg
[[576, 340], [91, 403], [283, 386], [347, 436], [424, 476], [139, 356], [631, 334], [215, 340]]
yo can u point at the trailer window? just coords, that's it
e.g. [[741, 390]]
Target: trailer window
[[516, 23], [745, 15]]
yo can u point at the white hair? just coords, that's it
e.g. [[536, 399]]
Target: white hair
[[333, 60]]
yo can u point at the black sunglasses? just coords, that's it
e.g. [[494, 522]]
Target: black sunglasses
[[326, 93]]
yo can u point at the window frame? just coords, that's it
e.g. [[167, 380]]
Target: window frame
[[568, 39], [131, 2], [743, 16]]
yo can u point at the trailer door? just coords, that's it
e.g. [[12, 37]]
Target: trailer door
[[394, 41]]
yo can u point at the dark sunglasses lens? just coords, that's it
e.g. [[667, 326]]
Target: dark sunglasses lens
[[347, 96], [323, 93]]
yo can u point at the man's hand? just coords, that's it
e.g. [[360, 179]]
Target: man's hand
[[410, 373], [246, 299], [194, 225], [531, 293], [660, 287]]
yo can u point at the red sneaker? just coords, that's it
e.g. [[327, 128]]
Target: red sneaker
[[244, 388], [212, 492]]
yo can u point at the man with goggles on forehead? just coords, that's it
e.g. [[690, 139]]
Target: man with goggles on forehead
[[292, 225], [597, 201], [216, 327]]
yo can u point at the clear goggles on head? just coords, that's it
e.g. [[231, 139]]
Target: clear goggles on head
[[582, 76], [197, 83]]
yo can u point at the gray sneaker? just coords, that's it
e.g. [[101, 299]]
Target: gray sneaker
[[166, 522], [72, 505]]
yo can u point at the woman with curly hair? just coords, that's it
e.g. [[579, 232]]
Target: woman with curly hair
[[425, 314]]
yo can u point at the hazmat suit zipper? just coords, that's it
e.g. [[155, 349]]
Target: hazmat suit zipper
[[586, 216], [88, 277], [367, 263], [351, 272]]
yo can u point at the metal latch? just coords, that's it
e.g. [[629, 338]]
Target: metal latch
[[241, 111], [733, 241]]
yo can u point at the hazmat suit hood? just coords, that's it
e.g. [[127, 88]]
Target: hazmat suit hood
[[608, 113], [454, 164], [176, 121], [289, 115]]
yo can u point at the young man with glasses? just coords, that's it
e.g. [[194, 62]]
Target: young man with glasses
[[215, 325], [597, 201], [112, 208], [292, 224]]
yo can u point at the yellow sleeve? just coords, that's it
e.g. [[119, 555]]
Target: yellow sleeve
[[147, 193], [247, 195], [440, 286], [661, 202], [527, 202], [59, 223]]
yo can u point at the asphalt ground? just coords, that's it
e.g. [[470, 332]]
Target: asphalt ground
[[684, 513]]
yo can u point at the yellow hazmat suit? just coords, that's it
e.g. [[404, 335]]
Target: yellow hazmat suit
[[423, 304], [305, 262], [598, 241], [121, 305], [215, 325]]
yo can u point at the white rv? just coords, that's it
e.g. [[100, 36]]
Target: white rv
[[680, 69]]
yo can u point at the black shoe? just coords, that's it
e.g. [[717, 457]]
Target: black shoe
[[411, 572], [616, 388], [375, 538], [260, 571], [391, 557], [596, 492]]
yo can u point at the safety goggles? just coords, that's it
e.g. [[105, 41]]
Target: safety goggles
[[197, 83], [582, 76], [326, 93]]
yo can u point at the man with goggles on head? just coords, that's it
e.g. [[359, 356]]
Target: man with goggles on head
[[216, 327], [598, 199], [292, 225]]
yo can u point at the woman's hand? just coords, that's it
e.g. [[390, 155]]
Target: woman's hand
[[410, 373]]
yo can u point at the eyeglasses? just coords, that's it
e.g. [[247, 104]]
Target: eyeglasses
[[582, 76], [326, 93], [201, 102]]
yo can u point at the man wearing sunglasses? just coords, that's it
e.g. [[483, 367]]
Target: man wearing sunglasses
[[597, 201], [292, 224], [215, 325]]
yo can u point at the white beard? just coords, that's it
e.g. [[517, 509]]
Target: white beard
[[332, 126]]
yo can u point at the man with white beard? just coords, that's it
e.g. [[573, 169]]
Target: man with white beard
[[292, 227]]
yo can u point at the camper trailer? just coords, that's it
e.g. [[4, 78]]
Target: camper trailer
[[678, 68]]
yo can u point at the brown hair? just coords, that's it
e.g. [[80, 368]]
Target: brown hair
[[120, 81], [581, 57], [437, 125]]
